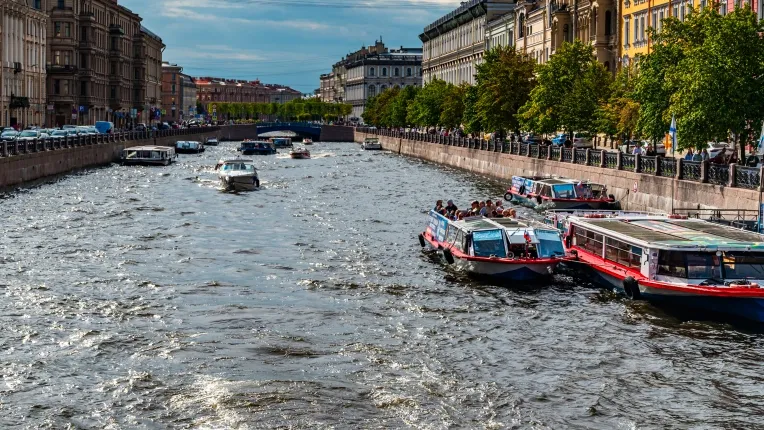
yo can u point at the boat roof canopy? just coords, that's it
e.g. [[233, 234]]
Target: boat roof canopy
[[672, 233]]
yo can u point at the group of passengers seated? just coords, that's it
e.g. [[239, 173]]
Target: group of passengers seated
[[487, 209]]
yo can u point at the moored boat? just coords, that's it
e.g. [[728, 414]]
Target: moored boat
[[148, 155], [559, 193], [501, 248], [254, 147], [299, 153], [686, 263], [281, 142], [238, 175], [212, 142], [371, 143], [188, 147], [307, 141]]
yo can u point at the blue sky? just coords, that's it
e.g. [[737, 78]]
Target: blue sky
[[288, 42]]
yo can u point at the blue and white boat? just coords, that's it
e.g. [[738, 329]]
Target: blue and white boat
[[253, 147], [559, 193], [501, 248]]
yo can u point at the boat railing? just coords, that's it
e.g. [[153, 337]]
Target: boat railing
[[746, 219], [731, 175]]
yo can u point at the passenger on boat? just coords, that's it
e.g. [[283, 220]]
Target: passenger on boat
[[438, 206], [490, 208], [475, 208], [451, 207], [499, 207]]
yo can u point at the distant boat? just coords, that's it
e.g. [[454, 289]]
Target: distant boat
[[212, 142], [307, 141], [299, 153], [281, 142], [148, 155], [238, 175], [252, 147], [188, 147], [559, 193], [371, 143]]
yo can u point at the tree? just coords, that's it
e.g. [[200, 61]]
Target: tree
[[618, 114], [570, 87], [426, 108], [399, 107], [471, 118], [504, 81], [452, 109]]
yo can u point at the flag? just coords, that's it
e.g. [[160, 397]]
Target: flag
[[527, 237], [672, 132], [760, 149]]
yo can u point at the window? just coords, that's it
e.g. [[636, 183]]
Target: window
[[723, 8], [37, 4], [408, 71], [588, 240], [84, 34], [636, 30], [113, 67], [654, 20], [83, 61], [113, 92], [56, 86], [173, 88], [660, 22], [676, 11], [608, 23], [681, 12], [61, 4], [371, 71], [57, 58], [372, 91], [384, 71], [488, 243], [67, 29], [67, 58], [65, 90], [642, 29], [623, 253], [396, 72], [57, 29], [83, 88]]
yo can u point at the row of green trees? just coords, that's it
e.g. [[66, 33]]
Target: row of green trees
[[706, 70], [298, 109]]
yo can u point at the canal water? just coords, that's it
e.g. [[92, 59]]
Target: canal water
[[135, 297]]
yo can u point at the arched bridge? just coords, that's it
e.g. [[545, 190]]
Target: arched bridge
[[301, 128]]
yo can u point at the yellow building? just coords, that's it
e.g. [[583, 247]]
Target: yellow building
[[639, 15]]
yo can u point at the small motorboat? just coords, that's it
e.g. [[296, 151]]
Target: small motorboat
[[148, 155], [188, 147], [238, 175], [559, 193], [212, 142], [299, 153], [307, 141], [371, 143], [252, 147], [281, 142]]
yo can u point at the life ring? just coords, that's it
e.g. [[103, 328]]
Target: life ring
[[421, 240], [448, 256], [508, 197], [631, 288], [510, 254]]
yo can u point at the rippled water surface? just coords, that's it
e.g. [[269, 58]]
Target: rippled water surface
[[135, 297]]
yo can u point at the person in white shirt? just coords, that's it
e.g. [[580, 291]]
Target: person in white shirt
[[638, 149]]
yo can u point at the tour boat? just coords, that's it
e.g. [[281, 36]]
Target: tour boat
[[212, 142], [559, 193], [148, 155], [253, 147], [238, 175], [307, 141], [299, 153], [371, 143], [281, 142], [688, 263], [188, 147], [501, 248]]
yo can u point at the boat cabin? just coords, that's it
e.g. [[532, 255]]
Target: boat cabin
[[496, 237], [149, 155], [236, 165], [281, 142], [670, 249]]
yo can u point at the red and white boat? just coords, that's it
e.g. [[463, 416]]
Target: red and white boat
[[688, 263], [500, 248], [299, 153], [559, 193]]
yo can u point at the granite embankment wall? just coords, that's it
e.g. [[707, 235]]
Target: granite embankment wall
[[27, 163], [654, 193]]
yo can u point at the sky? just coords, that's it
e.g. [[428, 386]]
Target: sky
[[289, 42]]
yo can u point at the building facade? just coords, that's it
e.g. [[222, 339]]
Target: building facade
[[95, 72], [148, 76], [172, 92], [454, 44], [500, 31], [187, 97], [23, 73]]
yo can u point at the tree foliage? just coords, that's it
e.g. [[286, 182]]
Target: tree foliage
[[618, 113], [571, 86], [304, 109], [504, 82]]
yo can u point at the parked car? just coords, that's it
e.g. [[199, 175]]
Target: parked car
[[31, 135], [163, 126], [68, 126], [59, 134], [105, 127], [140, 127], [579, 140], [715, 148], [9, 135]]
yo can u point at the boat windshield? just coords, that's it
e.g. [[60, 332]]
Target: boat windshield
[[550, 244], [238, 166], [743, 266], [564, 191], [487, 243]]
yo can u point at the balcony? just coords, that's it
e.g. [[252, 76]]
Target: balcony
[[62, 12], [60, 69], [61, 99], [88, 100], [87, 44], [87, 73], [116, 29], [115, 103], [87, 17]]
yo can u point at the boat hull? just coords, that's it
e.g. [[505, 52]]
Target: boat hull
[[212, 143], [372, 147], [188, 151], [299, 156], [257, 152], [146, 162], [239, 183], [748, 308], [561, 204]]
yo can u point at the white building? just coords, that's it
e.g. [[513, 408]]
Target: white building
[[454, 44], [23, 95], [500, 31]]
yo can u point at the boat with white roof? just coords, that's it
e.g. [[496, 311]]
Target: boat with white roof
[[559, 193], [501, 248], [148, 155], [688, 263], [188, 147], [238, 175], [371, 143]]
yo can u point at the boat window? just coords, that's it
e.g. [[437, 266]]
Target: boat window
[[671, 263], [451, 233], [744, 266], [546, 191], [550, 244], [623, 253], [155, 154], [487, 243], [132, 154], [702, 266], [460, 245], [589, 241], [564, 191]]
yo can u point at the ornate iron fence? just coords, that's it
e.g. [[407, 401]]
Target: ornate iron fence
[[718, 174], [556, 153], [629, 162], [668, 167], [647, 165], [579, 156], [567, 154], [747, 177], [535, 151], [595, 158], [691, 170], [611, 160]]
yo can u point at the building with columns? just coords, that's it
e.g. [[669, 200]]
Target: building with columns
[[454, 44], [148, 74], [23, 74]]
